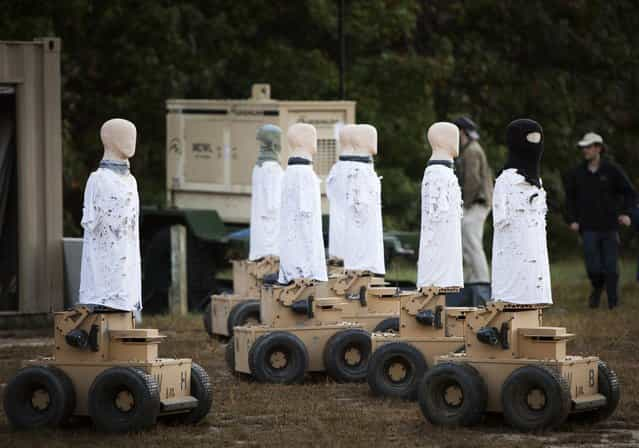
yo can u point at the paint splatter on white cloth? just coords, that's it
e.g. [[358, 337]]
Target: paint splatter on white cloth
[[111, 272], [363, 234], [301, 242], [440, 260], [521, 271], [335, 191], [265, 210]]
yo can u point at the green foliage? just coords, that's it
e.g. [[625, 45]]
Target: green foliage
[[569, 65]]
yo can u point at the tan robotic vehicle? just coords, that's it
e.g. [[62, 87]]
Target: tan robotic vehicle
[[310, 322], [105, 368], [242, 307], [427, 327], [515, 366], [300, 333], [512, 364]]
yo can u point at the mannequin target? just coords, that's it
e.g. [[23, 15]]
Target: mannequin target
[[359, 199], [335, 191], [301, 242], [521, 271], [440, 250], [266, 195], [110, 273]]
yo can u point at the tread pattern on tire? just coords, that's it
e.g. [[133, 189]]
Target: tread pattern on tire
[[390, 324], [61, 395], [241, 312], [608, 379], [475, 395], [201, 389], [146, 415], [560, 398], [377, 377], [262, 373], [334, 359]]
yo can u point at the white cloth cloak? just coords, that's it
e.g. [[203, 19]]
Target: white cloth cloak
[[363, 234], [265, 210], [335, 191], [111, 273], [301, 241], [440, 260], [521, 271]]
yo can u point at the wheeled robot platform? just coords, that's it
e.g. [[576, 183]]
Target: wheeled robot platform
[[515, 366], [428, 328], [226, 311], [307, 330], [105, 368]]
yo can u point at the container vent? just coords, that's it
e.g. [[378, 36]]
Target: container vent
[[326, 155]]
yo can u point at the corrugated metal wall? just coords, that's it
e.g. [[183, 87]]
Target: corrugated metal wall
[[33, 68]]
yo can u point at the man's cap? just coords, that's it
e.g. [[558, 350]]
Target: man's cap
[[590, 139], [469, 126]]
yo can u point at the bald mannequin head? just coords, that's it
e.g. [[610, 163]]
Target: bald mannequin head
[[302, 140], [365, 140], [118, 138], [444, 140], [346, 134]]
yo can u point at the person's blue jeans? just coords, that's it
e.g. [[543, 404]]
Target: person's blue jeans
[[601, 250]]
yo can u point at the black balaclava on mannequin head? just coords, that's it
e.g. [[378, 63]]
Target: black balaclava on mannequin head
[[523, 154]]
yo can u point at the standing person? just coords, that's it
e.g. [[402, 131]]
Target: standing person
[[476, 180], [599, 197]]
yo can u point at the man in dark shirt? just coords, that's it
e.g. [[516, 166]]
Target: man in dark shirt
[[599, 197]]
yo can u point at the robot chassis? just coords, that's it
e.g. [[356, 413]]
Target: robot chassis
[[226, 311], [513, 365], [242, 307], [311, 326], [105, 368]]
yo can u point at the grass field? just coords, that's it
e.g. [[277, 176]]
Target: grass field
[[325, 414]]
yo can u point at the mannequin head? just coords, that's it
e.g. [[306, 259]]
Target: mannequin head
[[269, 137], [525, 141], [118, 138], [346, 139], [302, 140], [365, 140], [444, 140]]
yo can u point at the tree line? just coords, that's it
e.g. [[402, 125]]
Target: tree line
[[570, 65]]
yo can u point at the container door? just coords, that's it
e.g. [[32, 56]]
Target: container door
[[206, 146], [8, 202]]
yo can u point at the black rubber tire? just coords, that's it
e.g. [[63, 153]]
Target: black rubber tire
[[335, 355], [608, 386], [514, 395], [242, 312], [384, 358], [18, 395], [201, 389], [433, 387], [290, 346], [229, 354], [106, 387], [388, 325], [206, 318]]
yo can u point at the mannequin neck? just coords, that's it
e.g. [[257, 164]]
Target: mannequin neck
[[303, 153], [114, 155], [440, 154]]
